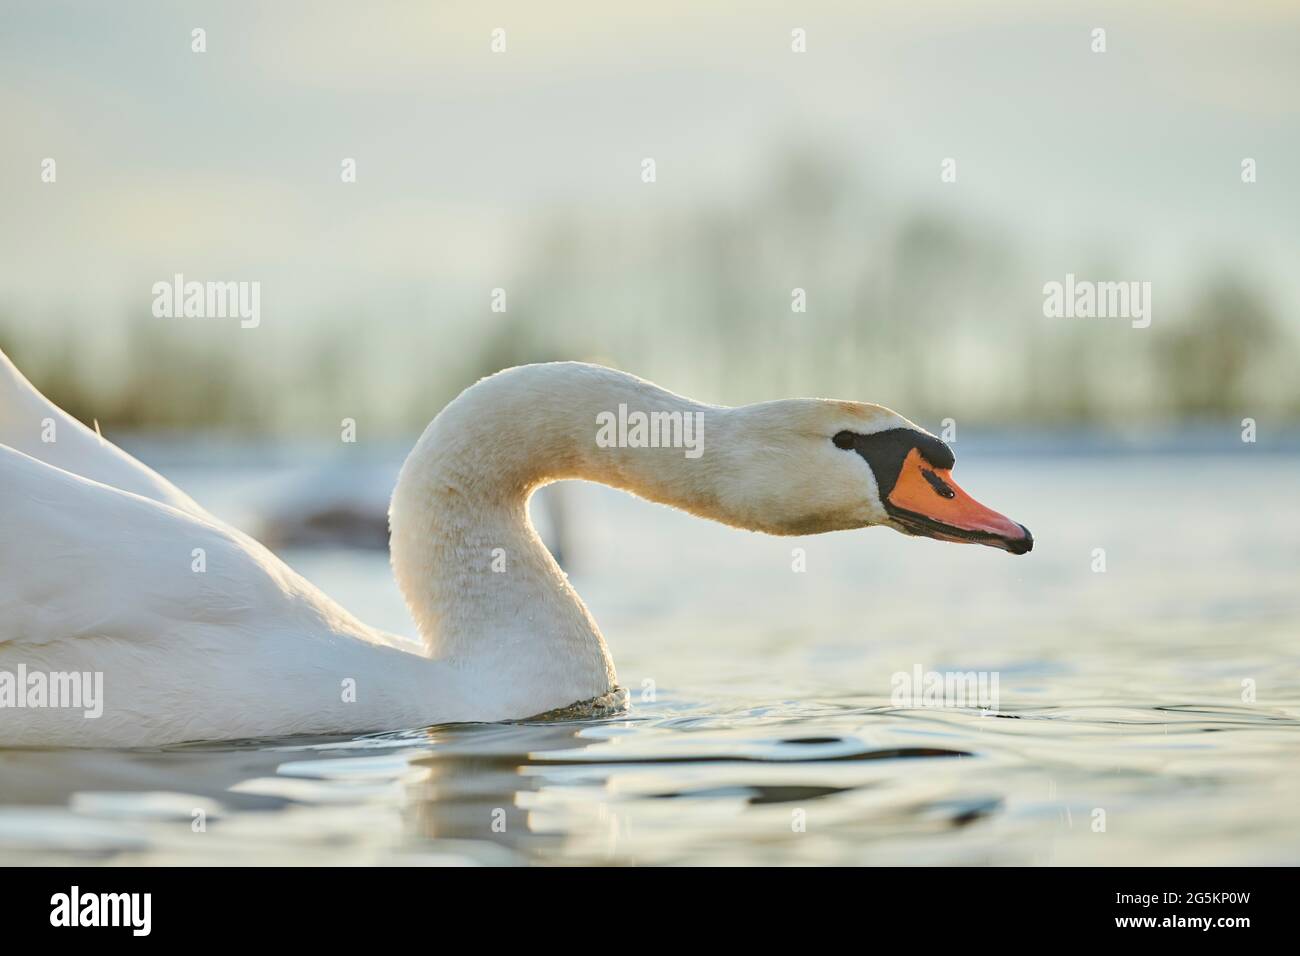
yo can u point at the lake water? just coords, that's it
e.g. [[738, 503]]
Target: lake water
[[1148, 713]]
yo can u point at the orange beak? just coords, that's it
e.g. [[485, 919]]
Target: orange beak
[[925, 501]]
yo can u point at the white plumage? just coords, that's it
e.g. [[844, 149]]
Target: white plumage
[[97, 564]]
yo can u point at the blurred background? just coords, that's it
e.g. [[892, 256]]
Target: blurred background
[[1146, 648], [775, 170]]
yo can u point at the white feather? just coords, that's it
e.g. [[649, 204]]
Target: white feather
[[97, 564]]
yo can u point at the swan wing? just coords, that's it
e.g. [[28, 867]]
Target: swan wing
[[81, 559], [196, 631], [32, 424]]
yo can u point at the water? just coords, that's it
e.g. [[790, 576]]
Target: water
[[760, 727]]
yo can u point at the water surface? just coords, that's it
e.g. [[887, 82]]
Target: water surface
[[1147, 714]]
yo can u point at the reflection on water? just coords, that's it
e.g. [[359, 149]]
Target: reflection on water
[[1148, 714]]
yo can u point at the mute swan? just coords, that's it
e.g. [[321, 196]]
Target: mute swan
[[99, 574]]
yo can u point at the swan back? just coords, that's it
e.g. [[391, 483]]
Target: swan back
[[35, 426]]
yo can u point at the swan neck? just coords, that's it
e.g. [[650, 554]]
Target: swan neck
[[485, 593]]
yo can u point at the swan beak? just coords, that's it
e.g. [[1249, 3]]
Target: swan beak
[[926, 501]]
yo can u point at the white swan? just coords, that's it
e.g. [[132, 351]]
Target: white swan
[[99, 568]]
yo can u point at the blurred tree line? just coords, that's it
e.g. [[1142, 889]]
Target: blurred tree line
[[909, 308]]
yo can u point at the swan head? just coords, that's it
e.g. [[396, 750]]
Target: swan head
[[817, 465]]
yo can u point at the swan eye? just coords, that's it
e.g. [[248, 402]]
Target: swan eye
[[844, 440]]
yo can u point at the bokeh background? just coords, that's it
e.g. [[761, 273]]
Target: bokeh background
[[775, 170]]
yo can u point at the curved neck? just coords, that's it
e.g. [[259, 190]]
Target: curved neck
[[485, 593]]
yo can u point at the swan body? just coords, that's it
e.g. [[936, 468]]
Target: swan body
[[201, 633]]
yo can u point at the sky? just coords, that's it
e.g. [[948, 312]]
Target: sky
[[226, 164]]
